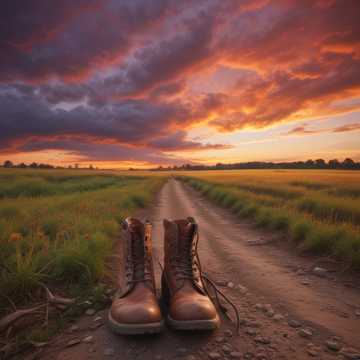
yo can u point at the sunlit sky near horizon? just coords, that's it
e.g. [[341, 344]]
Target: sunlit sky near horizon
[[142, 83]]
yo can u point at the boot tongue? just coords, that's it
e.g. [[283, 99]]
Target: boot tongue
[[186, 230]]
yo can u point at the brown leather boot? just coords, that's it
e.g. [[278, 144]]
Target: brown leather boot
[[189, 307], [135, 309]]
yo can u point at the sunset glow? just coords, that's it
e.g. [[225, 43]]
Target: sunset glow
[[141, 83]]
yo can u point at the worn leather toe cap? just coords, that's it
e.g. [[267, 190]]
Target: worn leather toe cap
[[192, 308]]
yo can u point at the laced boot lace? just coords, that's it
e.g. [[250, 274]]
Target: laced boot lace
[[139, 260]]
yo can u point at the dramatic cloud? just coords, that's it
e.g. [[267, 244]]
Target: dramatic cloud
[[304, 129], [129, 80]]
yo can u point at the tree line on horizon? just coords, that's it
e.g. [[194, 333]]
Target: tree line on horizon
[[9, 164], [347, 164]]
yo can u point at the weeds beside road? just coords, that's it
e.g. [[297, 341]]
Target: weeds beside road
[[319, 210]]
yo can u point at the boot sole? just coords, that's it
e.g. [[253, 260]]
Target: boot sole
[[193, 324], [135, 329]]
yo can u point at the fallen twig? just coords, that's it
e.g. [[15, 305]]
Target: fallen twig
[[7, 320]]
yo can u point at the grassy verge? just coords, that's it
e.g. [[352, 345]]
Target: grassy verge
[[315, 224], [62, 239]]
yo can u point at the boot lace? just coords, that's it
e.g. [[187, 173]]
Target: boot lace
[[139, 260]]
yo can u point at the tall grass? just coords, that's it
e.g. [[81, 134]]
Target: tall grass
[[313, 220], [63, 231]]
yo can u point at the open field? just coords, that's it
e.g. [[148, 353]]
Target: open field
[[319, 210], [57, 227]]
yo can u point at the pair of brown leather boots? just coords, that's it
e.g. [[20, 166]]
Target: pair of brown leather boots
[[135, 309]]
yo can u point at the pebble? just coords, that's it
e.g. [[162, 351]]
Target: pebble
[[294, 323], [98, 318], [251, 331], [73, 342], [109, 352], [278, 317], [305, 282], [230, 285], [312, 352], [221, 282], [306, 333], [332, 345], [74, 328], [88, 339], [235, 355], [90, 312], [249, 355], [226, 349], [214, 355], [357, 313], [190, 357], [262, 340], [219, 339], [181, 351], [320, 272], [228, 333], [241, 288], [259, 306], [350, 353]]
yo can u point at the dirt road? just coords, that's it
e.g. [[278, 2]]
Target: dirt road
[[287, 310]]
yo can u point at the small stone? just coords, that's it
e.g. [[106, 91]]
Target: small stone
[[278, 317], [248, 356], [332, 345], [181, 351], [259, 306], [219, 339], [226, 349], [262, 340], [91, 350], [305, 282], [350, 353], [190, 357], [320, 272], [235, 355], [74, 328], [270, 313], [306, 333], [221, 283], [357, 313], [251, 331], [98, 318], [73, 342], [230, 285], [109, 352], [88, 339], [214, 355], [90, 312], [294, 324], [228, 333], [241, 288], [312, 352]]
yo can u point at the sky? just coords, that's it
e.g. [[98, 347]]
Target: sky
[[142, 83]]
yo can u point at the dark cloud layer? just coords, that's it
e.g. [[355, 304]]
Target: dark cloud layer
[[111, 79]]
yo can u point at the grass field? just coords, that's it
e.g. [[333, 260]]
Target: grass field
[[318, 209], [57, 227]]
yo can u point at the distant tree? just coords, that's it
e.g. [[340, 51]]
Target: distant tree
[[334, 164], [91, 167], [309, 163], [69, 167], [320, 163], [33, 165], [8, 164], [76, 166], [22, 166], [349, 163]]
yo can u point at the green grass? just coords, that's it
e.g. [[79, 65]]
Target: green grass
[[57, 227], [313, 217]]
